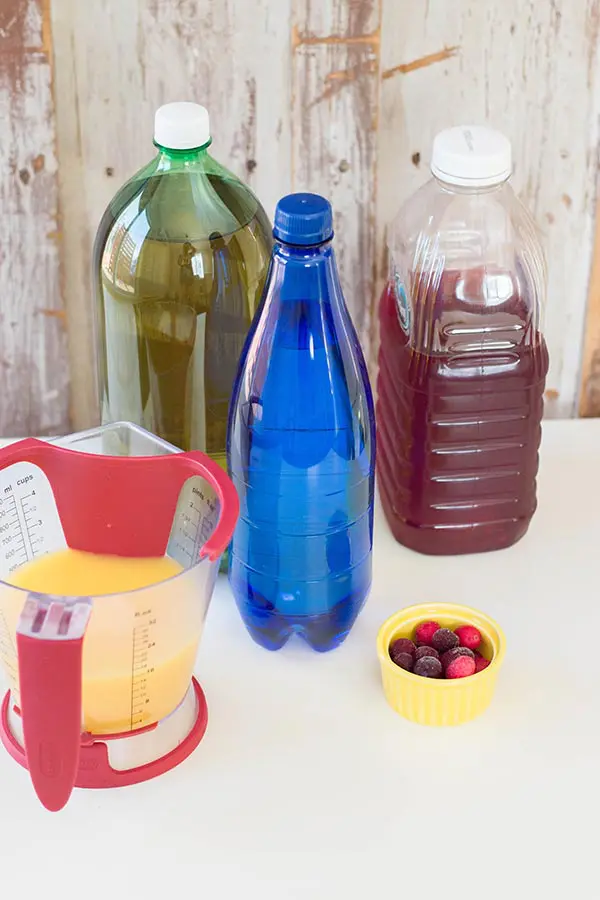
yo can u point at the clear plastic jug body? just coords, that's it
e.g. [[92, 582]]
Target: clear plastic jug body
[[462, 367]]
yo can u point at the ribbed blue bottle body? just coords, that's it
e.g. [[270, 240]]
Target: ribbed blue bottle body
[[301, 448]]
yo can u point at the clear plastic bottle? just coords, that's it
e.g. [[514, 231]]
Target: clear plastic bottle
[[301, 446], [462, 361], [180, 260]]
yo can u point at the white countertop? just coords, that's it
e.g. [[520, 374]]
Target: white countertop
[[308, 785]]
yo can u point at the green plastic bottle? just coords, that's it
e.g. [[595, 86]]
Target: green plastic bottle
[[180, 260]]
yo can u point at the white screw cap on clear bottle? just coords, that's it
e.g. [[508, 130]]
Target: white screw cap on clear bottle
[[471, 156], [181, 126]]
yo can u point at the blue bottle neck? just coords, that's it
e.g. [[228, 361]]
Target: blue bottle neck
[[305, 273]]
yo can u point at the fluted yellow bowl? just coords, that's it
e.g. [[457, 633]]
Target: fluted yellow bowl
[[437, 701]]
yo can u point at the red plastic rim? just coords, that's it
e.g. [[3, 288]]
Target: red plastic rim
[[126, 476], [95, 770]]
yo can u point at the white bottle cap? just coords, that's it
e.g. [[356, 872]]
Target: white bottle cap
[[471, 156], [181, 126]]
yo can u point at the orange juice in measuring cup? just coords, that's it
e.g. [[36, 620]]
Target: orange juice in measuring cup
[[107, 565]]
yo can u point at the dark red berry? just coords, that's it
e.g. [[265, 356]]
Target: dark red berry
[[404, 660], [401, 645], [469, 636], [449, 655], [429, 667], [426, 651], [481, 663], [461, 667], [444, 639], [425, 631]]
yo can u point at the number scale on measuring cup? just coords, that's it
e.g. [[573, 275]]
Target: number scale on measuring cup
[[141, 665], [8, 654], [29, 521], [194, 521], [29, 527]]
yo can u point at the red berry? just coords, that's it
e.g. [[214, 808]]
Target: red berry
[[425, 631], [428, 667], [404, 660], [444, 639], [481, 663], [401, 645], [423, 650], [461, 667], [469, 636], [449, 655]]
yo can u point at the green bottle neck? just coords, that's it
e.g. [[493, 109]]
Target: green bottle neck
[[172, 160]]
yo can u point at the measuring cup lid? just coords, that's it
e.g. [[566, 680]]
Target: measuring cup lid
[[125, 505]]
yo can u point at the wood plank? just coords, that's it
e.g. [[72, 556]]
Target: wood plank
[[77, 236], [118, 62], [589, 397], [533, 71], [34, 380], [334, 124]]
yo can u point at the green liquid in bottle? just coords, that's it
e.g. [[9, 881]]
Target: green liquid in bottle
[[180, 261]]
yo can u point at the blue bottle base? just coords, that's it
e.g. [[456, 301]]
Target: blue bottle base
[[323, 631]]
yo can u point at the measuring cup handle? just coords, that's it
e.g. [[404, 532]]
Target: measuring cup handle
[[50, 664]]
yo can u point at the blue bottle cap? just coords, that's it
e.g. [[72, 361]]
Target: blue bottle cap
[[303, 219]]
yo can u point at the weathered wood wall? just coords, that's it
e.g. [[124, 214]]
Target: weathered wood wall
[[34, 371], [338, 96]]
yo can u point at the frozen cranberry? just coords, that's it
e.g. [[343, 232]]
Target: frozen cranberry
[[444, 639], [481, 663], [404, 660], [449, 655], [425, 631], [423, 650], [401, 645], [461, 667], [429, 667], [469, 636]]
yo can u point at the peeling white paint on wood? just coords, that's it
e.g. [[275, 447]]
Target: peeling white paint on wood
[[335, 62], [33, 358], [77, 230], [533, 71]]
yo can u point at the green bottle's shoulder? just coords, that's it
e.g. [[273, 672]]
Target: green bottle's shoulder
[[179, 182]]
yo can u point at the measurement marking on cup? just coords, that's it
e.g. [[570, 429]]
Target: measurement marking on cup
[[140, 667], [194, 521], [32, 522], [8, 650], [12, 534]]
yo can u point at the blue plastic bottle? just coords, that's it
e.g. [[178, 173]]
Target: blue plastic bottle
[[301, 446]]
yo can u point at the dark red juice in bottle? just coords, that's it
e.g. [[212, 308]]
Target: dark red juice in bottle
[[459, 424]]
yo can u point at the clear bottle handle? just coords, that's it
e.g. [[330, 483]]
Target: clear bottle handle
[[50, 636]]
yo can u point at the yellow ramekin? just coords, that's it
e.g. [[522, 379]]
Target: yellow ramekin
[[433, 701]]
